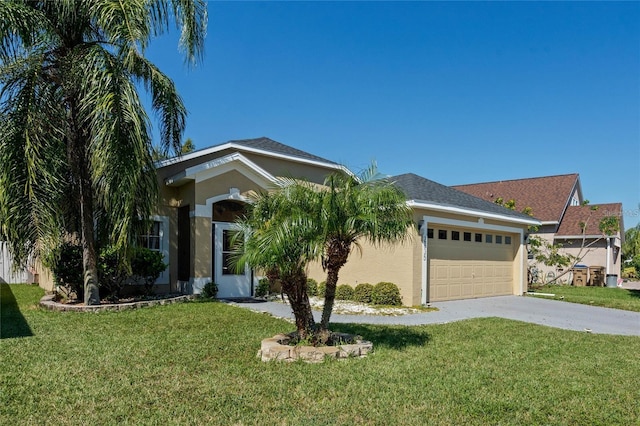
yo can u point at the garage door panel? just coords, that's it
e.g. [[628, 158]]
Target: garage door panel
[[464, 279]]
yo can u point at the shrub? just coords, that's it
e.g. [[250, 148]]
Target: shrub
[[322, 288], [147, 265], [385, 293], [312, 287], [344, 292], [363, 292], [111, 273], [210, 290], [263, 287], [66, 267]]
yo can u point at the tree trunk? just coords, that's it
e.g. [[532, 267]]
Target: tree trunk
[[337, 255], [295, 287], [79, 161]]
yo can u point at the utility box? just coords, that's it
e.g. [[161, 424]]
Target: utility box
[[579, 276], [596, 276]]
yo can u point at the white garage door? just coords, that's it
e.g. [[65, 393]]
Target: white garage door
[[465, 264]]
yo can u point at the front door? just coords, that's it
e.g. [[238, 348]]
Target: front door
[[231, 283]]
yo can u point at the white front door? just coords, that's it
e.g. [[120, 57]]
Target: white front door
[[231, 283]]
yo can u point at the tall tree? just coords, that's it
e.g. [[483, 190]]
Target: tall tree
[[75, 147], [354, 209]]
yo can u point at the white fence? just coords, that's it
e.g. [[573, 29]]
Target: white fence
[[7, 273]]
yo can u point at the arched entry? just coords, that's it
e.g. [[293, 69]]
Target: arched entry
[[231, 282]]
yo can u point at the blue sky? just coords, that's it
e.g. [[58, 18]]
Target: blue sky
[[456, 92]]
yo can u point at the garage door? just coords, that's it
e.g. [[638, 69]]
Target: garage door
[[466, 264]]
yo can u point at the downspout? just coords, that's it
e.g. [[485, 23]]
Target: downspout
[[425, 263], [608, 255], [523, 264]]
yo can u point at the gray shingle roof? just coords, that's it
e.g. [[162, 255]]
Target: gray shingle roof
[[270, 145], [420, 189]]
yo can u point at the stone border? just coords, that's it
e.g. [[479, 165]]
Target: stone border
[[47, 302], [277, 348]]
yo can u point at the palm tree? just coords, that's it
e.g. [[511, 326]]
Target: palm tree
[[279, 235], [369, 208], [75, 148]]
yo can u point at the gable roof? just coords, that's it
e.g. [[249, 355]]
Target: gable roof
[[547, 196], [589, 215], [427, 193], [262, 146]]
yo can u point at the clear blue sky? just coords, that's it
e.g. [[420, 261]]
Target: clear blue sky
[[455, 92]]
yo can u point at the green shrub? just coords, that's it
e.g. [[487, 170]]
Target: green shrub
[[112, 274], [385, 293], [312, 287], [210, 290], [363, 292], [263, 287], [344, 292], [322, 288], [146, 266], [66, 266]]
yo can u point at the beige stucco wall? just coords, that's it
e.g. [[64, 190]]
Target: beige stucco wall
[[397, 263]]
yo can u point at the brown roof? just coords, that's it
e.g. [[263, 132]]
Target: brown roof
[[590, 216], [546, 196]]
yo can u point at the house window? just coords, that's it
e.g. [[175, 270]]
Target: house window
[[153, 239], [498, 239], [429, 232], [574, 201], [467, 236], [455, 235], [488, 238], [442, 234], [478, 238], [507, 240]]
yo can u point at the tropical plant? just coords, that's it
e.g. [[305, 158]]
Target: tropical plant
[[75, 145], [263, 287], [355, 209], [280, 236]]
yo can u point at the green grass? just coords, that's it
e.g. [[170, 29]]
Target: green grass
[[617, 298], [195, 363]]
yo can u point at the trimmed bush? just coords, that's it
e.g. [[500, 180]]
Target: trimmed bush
[[344, 292], [312, 287], [210, 290], [146, 266], [385, 293], [67, 269], [362, 293], [263, 287], [322, 288]]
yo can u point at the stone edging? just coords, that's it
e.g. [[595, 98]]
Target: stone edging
[[47, 302], [276, 348]]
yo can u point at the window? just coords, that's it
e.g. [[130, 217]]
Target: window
[[488, 238], [442, 234], [429, 232], [467, 236], [153, 239], [229, 253], [498, 239], [507, 240], [478, 238], [455, 235]]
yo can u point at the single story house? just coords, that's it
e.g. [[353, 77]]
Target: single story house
[[467, 247], [558, 202]]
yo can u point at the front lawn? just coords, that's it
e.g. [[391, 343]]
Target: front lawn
[[617, 298], [195, 363]]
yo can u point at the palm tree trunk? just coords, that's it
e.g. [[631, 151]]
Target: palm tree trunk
[[295, 287], [79, 161], [337, 255]]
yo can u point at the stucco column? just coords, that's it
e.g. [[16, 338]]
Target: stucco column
[[201, 252]]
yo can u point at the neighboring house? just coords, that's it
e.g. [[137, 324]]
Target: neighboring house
[[557, 201], [466, 247]]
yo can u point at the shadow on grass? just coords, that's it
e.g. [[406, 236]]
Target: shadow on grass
[[392, 336], [12, 322], [634, 293]]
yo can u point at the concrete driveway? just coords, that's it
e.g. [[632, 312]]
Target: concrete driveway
[[553, 313]]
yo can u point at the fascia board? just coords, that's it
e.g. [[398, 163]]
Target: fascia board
[[469, 212]]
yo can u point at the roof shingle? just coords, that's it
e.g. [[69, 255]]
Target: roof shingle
[[590, 216], [547, 196], [270, 145], [419, 189]]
